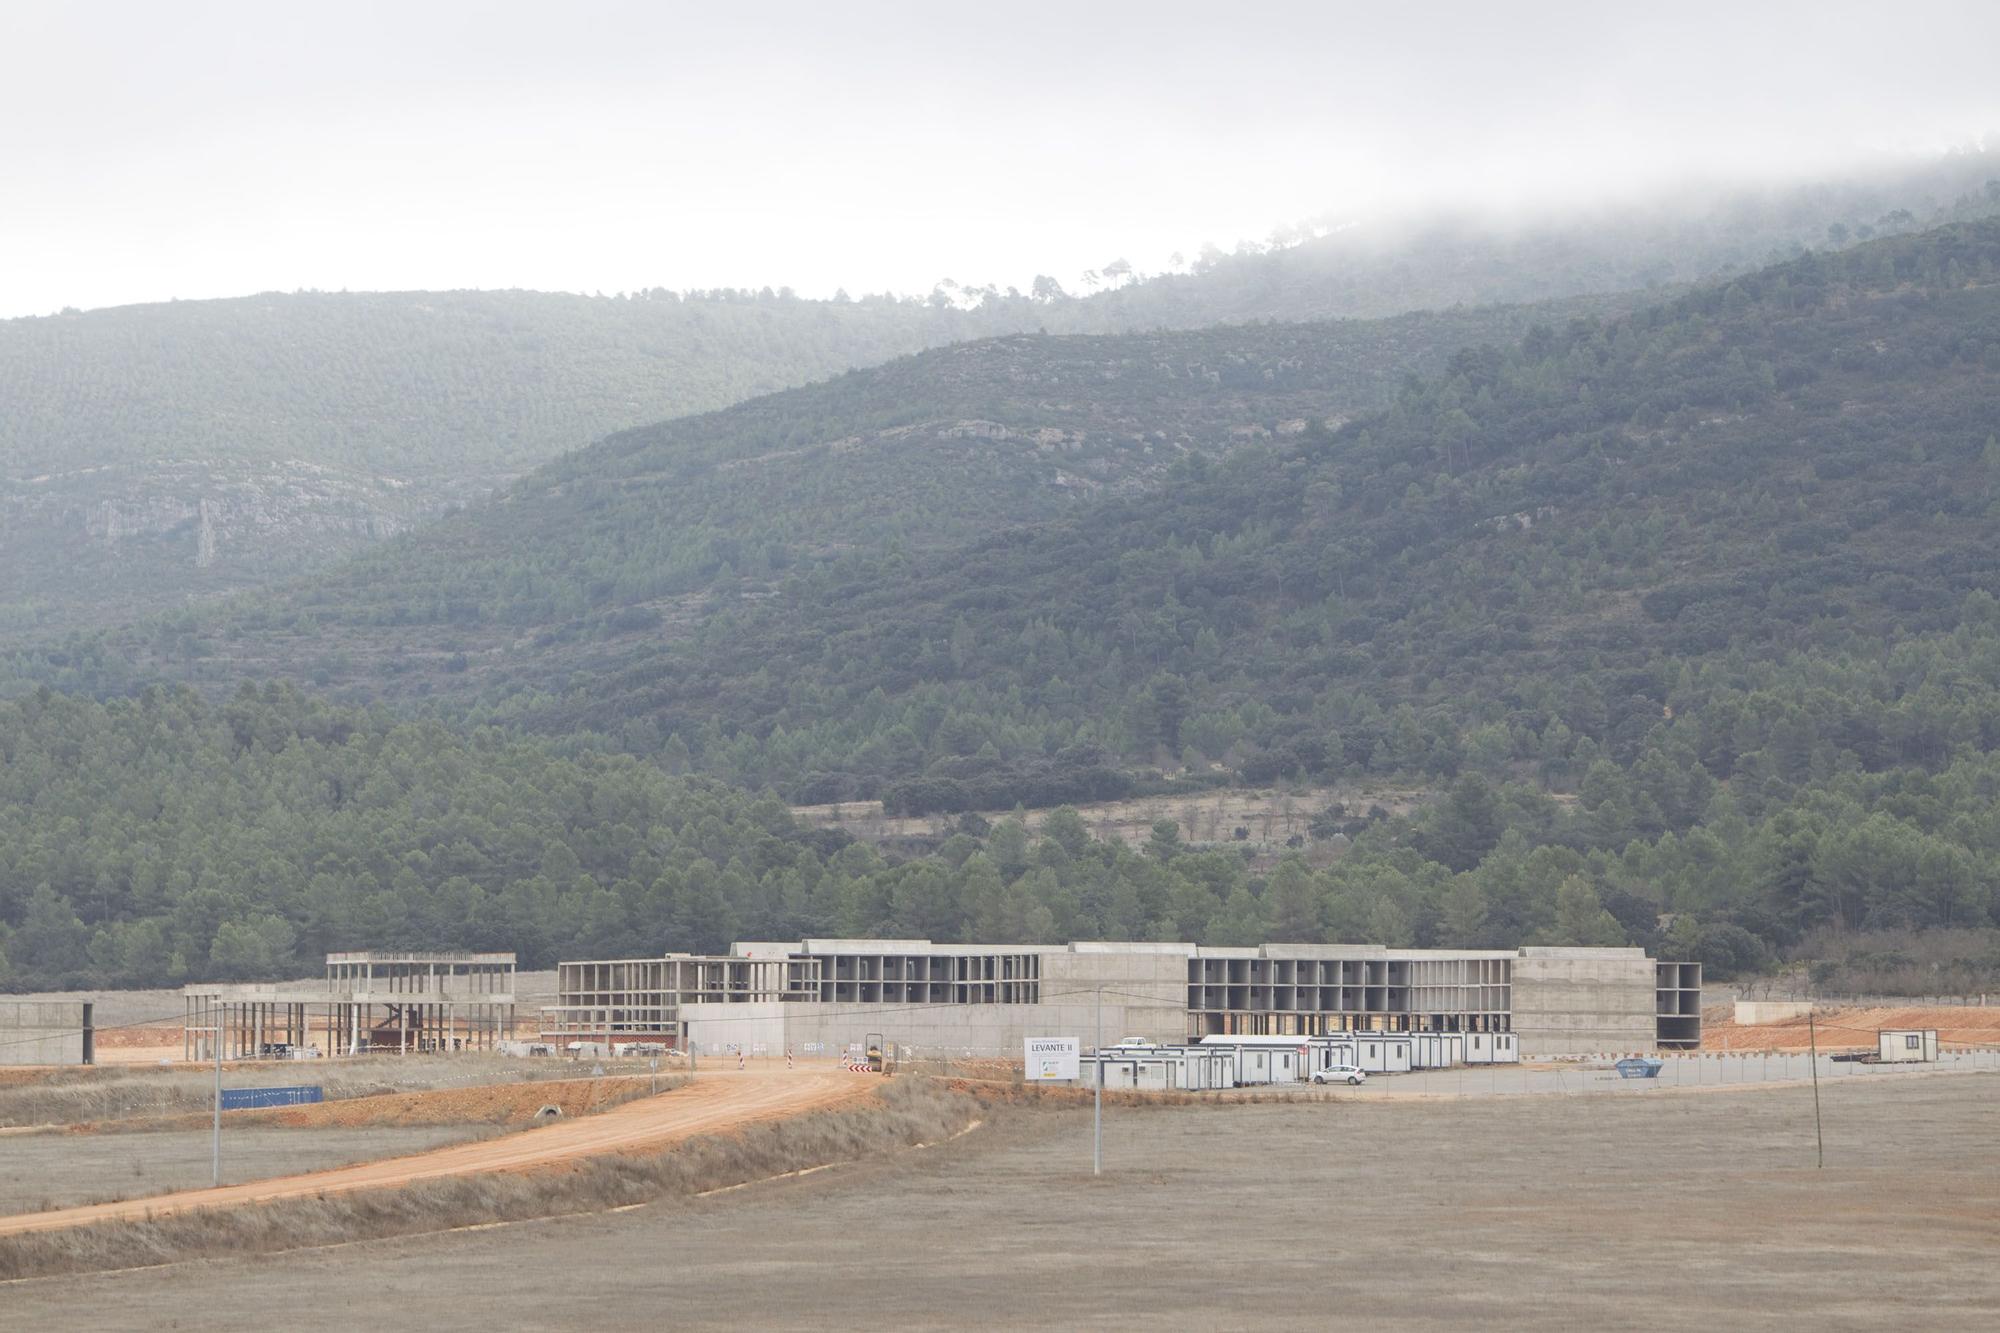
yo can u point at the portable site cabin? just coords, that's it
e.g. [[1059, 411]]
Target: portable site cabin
[[1492, 1048], [1159, 1068], [1326, 1052], [1217, 1063], [1436, 1050], [1147, 1073], [1375, 1052], [1383, 1052], [1906, 1045], [1264, 1059]]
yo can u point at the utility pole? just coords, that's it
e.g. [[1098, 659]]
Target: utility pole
[[215, 1036], [217, 1154], [1097, 1107], [1812, 1039]]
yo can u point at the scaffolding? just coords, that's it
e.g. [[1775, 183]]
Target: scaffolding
[[369, 1002]]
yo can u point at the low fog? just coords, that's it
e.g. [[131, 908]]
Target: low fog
[[215, 149]]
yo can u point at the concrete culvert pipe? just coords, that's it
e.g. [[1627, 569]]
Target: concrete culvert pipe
[[549, 1113]]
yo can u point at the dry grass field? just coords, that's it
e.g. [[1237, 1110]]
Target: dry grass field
[[40, 1171], [1545, 1212]]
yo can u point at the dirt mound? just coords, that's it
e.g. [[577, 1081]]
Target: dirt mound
[[1851, 1029]]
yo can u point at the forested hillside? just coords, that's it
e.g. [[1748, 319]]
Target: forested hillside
[[1573, 524], [905, 461], [1688, 614], [153, 454], [164, 838], [1798, 461], [917, 456]]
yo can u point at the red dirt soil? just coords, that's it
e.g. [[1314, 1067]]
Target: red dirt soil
[[1850, 1029], [716, 1103]]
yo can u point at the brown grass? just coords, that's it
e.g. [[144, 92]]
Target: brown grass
[[497, 1105], [102, 1095], [906, 1112]]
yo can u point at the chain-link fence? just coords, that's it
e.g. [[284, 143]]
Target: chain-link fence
[[1718, 1069]]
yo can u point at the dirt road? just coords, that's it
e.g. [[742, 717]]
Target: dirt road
[[717, 1101]]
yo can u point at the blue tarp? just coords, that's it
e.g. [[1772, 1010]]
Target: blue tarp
[[245, 1099]]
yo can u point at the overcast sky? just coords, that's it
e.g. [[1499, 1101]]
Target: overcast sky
[[188, 149]]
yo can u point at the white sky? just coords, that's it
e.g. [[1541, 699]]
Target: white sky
[[190, 149]]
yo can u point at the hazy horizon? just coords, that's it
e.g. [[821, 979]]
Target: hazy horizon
[[220, 150]]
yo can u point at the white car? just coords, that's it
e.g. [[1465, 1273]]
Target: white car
[[1352, 1075]]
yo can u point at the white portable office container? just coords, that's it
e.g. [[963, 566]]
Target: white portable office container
[[1328, 1051], [1383, 1052], [1492, 1048], [1906, 1045], [1436, 1050], [1160, 1068], [1265, 1059]]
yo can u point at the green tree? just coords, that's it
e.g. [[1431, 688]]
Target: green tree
[[1291, 900], [1580, 917]]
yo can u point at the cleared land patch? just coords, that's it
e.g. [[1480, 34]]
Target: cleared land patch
[[41, 1171], [1529, 1212], [142, 1093], [718, 1102], [1851, 1028], [1269, 816], [910, 1113]]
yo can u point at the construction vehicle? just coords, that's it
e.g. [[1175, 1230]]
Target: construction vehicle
[[879, 1059]]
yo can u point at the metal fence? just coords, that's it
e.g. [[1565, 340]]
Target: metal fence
[[1972, 1000], [248, 1099], [1596, 1074]]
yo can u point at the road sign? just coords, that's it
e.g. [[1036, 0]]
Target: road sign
[[1051, 1059]]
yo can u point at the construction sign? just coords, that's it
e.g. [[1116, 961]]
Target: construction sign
[[1054, 1059]]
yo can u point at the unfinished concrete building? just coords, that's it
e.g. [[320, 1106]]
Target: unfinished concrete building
[[824, 995], [371, 1001], [47, 1032]]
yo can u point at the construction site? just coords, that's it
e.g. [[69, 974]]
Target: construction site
[[714, 1108], [984, 1000], [401, 1002]]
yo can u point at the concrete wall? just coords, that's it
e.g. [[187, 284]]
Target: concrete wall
[[1148, 987], [44, 1032], [951, 1030], [718, 1027], [1144, 995], [1580, 1001]]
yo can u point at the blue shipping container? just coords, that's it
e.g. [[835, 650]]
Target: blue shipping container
[[245, 1099]]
